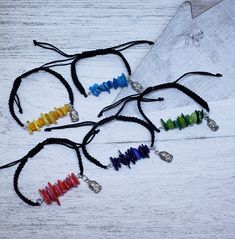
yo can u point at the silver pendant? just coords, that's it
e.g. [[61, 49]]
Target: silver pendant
[[136, 86], [73, 115], [93, 185], [211, 123], [165, 156]]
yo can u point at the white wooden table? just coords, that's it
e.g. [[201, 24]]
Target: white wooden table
[[191, 198]]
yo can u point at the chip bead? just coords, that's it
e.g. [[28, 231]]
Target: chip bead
[[48, 118], [51, 193], [120, 81], [130, 156], [183, 121]]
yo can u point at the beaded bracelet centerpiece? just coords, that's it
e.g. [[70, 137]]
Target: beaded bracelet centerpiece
[[132, 155], [184, 121], [119, 82], [51, 193], [52, 117]]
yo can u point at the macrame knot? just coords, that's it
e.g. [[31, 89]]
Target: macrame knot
[[35, 150], [93, 53]]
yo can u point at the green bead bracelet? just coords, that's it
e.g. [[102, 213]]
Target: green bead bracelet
[[183, 121]]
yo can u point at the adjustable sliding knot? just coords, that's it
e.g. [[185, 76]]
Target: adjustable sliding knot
[[86, 54], [35, 150]]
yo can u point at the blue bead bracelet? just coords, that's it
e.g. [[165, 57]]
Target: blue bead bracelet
[[120, 81], [130, 156]]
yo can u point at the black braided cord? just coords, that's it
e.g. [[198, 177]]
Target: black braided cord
[[74, 58], [174, 85], [16, 85], [22, 162]]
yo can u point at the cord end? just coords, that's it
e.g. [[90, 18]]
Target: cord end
[[100, 114], [47, 129], [155, 128], [219, 75], [35, 42]]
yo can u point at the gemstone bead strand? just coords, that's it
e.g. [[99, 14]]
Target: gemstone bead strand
[[120, 81], [51, 118], [132, 155], [51, 193], [183, 121]]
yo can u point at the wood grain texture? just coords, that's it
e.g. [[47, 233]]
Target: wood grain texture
[[190, 198]]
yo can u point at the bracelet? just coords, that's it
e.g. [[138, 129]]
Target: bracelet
[[44, 119], [72, 59]]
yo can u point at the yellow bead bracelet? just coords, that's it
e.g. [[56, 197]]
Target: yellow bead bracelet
[[51, 118]]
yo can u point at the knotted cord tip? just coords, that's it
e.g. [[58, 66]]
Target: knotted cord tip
[[155, 128], [219, 75], [83, 92], [35, 42], [100, 114], [47, 129]]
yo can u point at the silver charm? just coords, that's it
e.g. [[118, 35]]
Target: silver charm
[[211, 123], [136, 86], [73, 115], [93, 185], [165, 156]]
